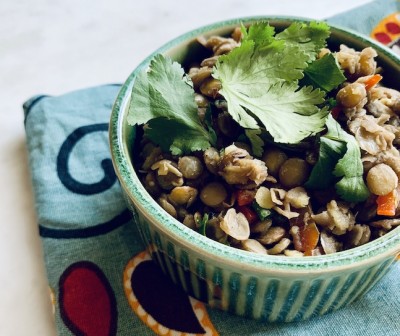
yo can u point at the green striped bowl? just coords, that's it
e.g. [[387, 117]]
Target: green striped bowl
[[268, 288]]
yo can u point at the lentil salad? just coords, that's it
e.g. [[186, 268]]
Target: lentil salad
[[246, 189]]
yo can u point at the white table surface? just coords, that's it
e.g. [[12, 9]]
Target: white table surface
[[53, 47]]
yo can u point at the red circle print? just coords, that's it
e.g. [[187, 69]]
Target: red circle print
[[87, 302], [383, 38], [393, 28]]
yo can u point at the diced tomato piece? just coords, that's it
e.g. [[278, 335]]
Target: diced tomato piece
[[250, 215], [245, 197], [335, 112]]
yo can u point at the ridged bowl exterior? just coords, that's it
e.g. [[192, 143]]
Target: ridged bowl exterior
[[267, 288], [269, 295]]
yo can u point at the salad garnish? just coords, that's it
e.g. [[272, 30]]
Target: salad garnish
[[274, 86]]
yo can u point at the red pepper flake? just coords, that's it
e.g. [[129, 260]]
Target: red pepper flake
[[245, 197], [335, 112]]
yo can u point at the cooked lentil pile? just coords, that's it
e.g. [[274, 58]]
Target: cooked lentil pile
[[280, 201]]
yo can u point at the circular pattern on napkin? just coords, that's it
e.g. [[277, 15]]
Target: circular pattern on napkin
[[160, 304], [388, 32], [86, 300]]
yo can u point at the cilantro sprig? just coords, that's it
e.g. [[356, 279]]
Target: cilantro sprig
[[310, 38], [262, 213], [274, 86], [260, 79], [339, 160], [202, 224], [324, 73], [163, 97], [260, 82]]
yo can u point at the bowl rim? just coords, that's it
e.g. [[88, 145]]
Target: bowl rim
[[383, 247]]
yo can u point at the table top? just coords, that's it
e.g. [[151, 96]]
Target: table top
[[52, 47]]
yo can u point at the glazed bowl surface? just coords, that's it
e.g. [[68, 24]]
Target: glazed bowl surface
[[268, 288]]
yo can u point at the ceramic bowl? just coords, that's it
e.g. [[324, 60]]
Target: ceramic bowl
[[269, 288]]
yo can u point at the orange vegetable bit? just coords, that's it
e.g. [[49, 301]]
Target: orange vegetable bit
[[309, 235], [387, 204], [372, 81], [317, 251], [245, 197]]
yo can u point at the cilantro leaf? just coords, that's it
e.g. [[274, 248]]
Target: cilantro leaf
[[251, 69], [255, 140], [260, 32], [340, 155], [202, 224], [164, 91], [262, 213], [309, 38], [289, 114], [324, 73], [174, 136], [330, 103], [330, 151], [351, 187], [208, 122], [260, 85]]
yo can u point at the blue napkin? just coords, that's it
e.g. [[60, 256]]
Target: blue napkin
[[101, 279]]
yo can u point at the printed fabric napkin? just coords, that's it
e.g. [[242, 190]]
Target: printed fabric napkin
[[94, 257]]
